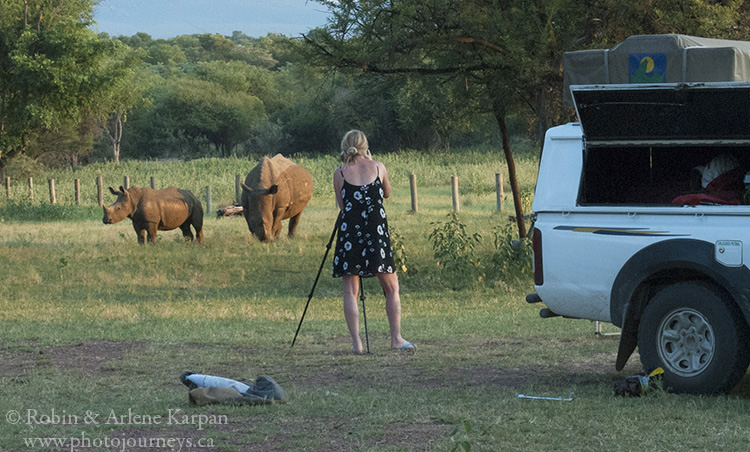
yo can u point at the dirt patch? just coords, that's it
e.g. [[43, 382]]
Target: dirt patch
[[595, 369], [336, 435], [91, 358]]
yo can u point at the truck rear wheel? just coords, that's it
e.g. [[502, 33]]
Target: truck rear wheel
[[698, 336]]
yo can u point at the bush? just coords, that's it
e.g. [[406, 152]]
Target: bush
[[512, 257], [454, 252], [400, 256]]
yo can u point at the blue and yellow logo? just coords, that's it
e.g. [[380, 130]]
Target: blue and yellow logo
[[647, 68]]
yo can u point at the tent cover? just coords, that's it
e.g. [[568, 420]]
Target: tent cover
[[670, 58]]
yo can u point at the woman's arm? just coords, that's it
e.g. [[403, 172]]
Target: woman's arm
[[338, 184], [384, 179]]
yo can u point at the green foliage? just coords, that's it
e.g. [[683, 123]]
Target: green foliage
[[446, 105], [461, 430], [512, 257], [616, 20], [454, 251], [446, 73], [400, 254], [57, 78], [204, 109], [22, 168], [24, 211]]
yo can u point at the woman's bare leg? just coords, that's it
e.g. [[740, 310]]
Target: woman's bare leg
[[351, 310], [389, 283]]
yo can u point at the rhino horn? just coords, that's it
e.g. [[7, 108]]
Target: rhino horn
[[246, 188]]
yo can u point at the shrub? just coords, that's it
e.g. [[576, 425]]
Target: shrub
[[454, 250], [400, 256], [512, 257]]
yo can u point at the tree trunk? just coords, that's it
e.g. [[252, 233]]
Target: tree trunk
[[499, 111], [115, 135], [512, 178]]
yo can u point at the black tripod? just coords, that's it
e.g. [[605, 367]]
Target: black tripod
[[361, 290]]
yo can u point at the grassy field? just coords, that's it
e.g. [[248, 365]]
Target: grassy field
[[95, 331]]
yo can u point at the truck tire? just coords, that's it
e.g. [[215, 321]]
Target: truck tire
[[698, 336]]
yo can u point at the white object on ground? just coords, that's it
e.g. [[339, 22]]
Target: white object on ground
[[205, 381], [522, 396]]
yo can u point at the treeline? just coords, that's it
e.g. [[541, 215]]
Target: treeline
[[412, 74], [213, 95]]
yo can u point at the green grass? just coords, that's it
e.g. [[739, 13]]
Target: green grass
[[91, 322], [475, 170]]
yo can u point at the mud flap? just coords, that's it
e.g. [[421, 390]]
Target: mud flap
[[628, 341]]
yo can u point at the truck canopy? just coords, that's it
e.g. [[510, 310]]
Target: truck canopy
[[652, 144], [664, 114], [669, 58]]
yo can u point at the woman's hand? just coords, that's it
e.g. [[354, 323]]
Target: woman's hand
[[368, 156]]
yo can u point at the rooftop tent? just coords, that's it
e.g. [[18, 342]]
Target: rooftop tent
[[668, 58]]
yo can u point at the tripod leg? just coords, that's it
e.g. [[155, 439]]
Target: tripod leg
[[328, 248], [364, 312]]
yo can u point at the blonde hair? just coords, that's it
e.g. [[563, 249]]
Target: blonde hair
[[353, 144]]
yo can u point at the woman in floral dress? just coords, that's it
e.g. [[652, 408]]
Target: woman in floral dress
[[363, 245]]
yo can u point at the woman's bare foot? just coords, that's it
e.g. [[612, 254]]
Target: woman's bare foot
[[403, 345]]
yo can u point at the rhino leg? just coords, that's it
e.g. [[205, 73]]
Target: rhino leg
[[141, 233], [293, 222], [277, 226], [196, 219], [186, 232], [151, 232]]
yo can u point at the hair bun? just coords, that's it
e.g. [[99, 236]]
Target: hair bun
[[352, 150]]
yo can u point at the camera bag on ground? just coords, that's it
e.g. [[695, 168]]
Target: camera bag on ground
[[209, 389]]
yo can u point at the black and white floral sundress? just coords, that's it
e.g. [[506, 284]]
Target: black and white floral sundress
[[363, 244]]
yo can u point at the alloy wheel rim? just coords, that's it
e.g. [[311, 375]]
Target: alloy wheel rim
[[686, 342]]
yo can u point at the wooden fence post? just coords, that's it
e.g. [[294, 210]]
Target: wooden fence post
[[499, 190], [454, 187], [237, 188], [153, 182], [209, 206], [52, 196], [413, 187], [126, 182], [31, 188], [100, 191], [77, 184], [7, 187]]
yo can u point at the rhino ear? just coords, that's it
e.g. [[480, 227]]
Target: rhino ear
[[273, 189], [122, 189], [112, 190]]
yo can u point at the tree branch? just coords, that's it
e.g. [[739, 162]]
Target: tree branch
[[483, 43]]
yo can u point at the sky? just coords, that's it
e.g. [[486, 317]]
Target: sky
[[164, 19]]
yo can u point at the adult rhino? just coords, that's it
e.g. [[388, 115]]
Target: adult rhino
[[153, 210], [276, 189]]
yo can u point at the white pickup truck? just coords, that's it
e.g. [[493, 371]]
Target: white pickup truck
[[640, 220]]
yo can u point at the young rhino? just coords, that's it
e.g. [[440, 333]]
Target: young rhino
[[153, 210]]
